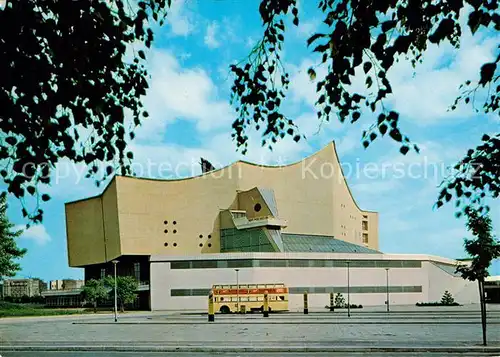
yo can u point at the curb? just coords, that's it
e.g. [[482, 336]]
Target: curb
[[206, 349], [277, 322]]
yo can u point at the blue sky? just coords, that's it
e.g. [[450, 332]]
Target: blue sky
[[191, 117]]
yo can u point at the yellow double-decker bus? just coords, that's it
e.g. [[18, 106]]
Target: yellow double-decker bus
[[249, 297]]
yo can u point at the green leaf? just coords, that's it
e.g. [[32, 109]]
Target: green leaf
[[388, 25], [314, 37], [487, 71], [312, 74], [369, 82], [474, 20], [396, 135], [11, 140], [367, 66]]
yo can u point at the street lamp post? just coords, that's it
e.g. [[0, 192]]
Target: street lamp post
[[387, 286], [237, 291], [116, 298], [348, 292]]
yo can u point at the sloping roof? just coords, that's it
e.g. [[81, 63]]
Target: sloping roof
[[325, 244], [268, 196], [450, 269]]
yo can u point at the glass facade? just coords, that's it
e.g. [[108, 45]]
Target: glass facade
[[64, 301], [293, 263], [356, 289], [255, 240], [248, 240], [324, 244], [137, 271]]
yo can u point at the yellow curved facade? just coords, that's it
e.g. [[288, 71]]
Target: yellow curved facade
[[136, 216]]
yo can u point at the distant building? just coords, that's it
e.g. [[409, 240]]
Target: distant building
[[64, 293], [65, 284], [492, 289], [18, 288], [64, 298]]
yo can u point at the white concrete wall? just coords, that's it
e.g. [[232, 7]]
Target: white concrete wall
[[438, 281], [434, 280], [163, 279]]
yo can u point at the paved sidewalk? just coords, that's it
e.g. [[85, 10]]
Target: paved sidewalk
[[394, 332]]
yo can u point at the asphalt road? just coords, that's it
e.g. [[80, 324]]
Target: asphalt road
[[180, 354]]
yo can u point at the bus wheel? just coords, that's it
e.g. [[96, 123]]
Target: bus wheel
[[225, 310]]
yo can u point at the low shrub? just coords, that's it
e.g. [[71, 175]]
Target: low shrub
[[436, 303], [353, 306]]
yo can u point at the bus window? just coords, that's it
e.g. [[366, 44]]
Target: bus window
[[282, 298], [221, 299]]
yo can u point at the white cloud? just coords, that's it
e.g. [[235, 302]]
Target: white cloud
[[37, 233], [179, 19], [302, 88], [423, 94], [250, 42], [170, 161], [178, 93], [211, 34], [349, 142], [307, 28], [310, 126], [426, 96]]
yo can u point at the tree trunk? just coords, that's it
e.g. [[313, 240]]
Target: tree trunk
[[483, 309], [95, 307], [122, 308]]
